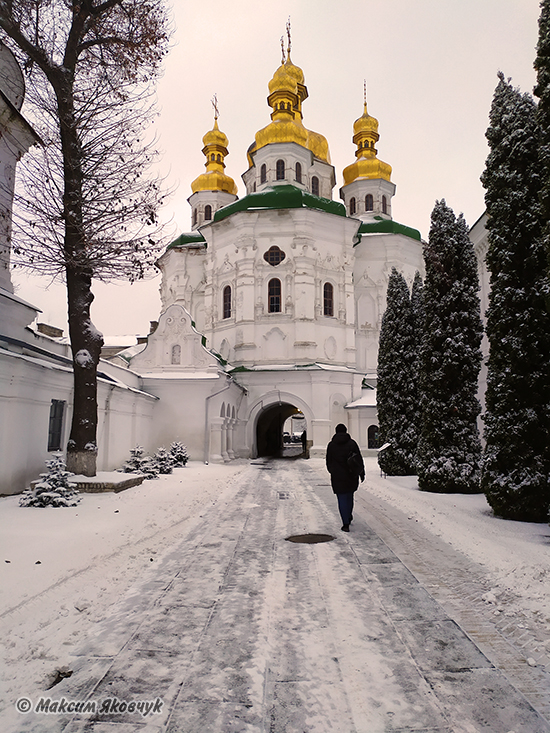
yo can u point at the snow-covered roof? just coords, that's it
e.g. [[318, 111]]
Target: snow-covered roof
[[367, 399]]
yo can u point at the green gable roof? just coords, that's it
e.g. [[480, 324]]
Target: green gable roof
[[388, 226], [281, 197], [183, 239]]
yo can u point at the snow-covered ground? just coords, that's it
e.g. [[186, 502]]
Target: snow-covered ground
[[62, 569]]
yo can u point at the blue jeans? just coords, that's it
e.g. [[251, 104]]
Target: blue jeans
[[345, 505]]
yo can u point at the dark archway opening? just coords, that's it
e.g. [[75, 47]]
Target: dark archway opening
[[270, 440]]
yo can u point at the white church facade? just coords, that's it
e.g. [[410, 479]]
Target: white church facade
[[272, 303], [271, 306]]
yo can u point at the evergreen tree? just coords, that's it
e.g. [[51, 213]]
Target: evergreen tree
[[449, 448], [417, 306], [542, 90], [139, 463], [516, 464], [163, 461], [55, 488], [396, 383], [179, 454]]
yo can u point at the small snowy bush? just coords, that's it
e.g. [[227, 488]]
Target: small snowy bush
[[179, 454], [55, 488], [163, 461], [138, 463]]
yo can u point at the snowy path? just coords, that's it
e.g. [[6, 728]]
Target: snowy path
[[239, 631]]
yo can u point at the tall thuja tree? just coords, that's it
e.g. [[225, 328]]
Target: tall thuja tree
[[516, 464], [87, 205], [395, 383], [449, 448], [542, 91], [417, 307]]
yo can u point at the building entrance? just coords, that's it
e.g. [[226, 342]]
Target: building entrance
[[276, 433]]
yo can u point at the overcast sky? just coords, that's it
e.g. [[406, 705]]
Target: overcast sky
[[431, 69]]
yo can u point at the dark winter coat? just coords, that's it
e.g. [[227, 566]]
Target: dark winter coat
[[338, 452]]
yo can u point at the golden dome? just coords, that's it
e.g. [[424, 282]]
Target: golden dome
[[215, 150], [287, 91], [365, 136], [216, 137], [365, 123]]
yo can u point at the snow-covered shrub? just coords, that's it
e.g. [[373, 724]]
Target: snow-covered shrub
[[55, 487], [179, 454], [138, 463], [163, 461]]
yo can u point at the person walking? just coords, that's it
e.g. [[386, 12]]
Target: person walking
[[345, 465]]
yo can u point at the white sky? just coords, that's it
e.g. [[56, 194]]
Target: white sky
[[430, 67]]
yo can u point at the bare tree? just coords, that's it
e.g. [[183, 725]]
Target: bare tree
[[88, 207]]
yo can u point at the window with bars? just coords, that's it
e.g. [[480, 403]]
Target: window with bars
[[352, 206], [274, 296], [280, 170], [263, 173], [207, 212], [55, 430], [298, 173], [328, 299], [227, 301], [384, 205], [369, 202], [274, 256], [315, 186]]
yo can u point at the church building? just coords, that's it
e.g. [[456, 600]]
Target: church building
[[272, 303]]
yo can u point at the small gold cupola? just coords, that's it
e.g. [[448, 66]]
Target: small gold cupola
[[365, 136], [215, 149]]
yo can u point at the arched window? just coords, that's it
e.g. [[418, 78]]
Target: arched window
[[315, 186], [369, 202], [219, 158], [298, 173], [194, 217], [176, 354], [263, 173], [384, 205], [352, 206], [207, 212], [328, 299], [373, 437], [280, 170], [274, 296], [227, 301]]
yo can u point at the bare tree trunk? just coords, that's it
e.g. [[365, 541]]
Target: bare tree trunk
[[86, 345], [86, 341]]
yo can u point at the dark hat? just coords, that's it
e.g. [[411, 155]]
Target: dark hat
[[340, 428]]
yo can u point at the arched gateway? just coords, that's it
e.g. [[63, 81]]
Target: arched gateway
[[269, 428]]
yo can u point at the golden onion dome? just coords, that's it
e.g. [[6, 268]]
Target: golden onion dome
[[365, 123], [367, 165], [282, 80], [216, 137], [287, 91], [215, 150]]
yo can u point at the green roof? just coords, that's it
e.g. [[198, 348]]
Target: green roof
[[388, 226], [183, 239], [281, 197]]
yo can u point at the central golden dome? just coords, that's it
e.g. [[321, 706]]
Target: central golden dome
[[287, 91]]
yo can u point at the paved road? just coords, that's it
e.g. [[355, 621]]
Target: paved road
[[239, 631]]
